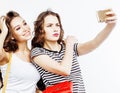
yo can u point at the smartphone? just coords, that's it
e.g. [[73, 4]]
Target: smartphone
[[101, 15]]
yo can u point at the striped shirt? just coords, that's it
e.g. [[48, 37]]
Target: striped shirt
[[51, 78]]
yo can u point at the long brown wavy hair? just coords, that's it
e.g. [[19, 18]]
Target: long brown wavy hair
[[10, 44], [39, 33]]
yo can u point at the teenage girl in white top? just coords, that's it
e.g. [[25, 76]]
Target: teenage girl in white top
[[23, 75]]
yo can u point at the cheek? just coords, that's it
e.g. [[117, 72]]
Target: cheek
[[48, 32], [47, 36], [17, 35], [29, 28]]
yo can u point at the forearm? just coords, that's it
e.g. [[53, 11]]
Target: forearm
[[67, 60], [2, 39], [103, 34], [4, 31], [94, 43]]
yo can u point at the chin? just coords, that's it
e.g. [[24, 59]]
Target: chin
[[28, 37]]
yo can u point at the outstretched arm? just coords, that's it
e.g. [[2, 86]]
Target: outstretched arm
[[93, 44]]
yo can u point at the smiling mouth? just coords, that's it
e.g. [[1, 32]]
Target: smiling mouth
[[27, 33]]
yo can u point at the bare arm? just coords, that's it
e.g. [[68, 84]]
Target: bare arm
[[62, 68], [38, 91], [3, 34], [93, 44]]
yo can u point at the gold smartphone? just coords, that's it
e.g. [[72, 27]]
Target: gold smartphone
[[101, 15]]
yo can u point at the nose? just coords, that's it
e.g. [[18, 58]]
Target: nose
[[55, 28], [24, 28]]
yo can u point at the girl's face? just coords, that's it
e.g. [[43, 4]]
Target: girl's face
[[51, 28], [21, 30]]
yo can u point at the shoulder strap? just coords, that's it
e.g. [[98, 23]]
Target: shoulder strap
[[6, 75]]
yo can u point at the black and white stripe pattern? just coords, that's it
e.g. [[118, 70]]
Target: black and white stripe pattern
[[51, 78]]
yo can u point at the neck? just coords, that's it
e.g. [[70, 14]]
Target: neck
[[23, 52], [52, 46], [22, 47]]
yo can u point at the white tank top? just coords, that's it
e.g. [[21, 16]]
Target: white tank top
[[22, 78]]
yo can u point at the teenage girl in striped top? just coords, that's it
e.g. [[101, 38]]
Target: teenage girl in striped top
[[55, 58]]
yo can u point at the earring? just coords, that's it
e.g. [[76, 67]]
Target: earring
[[13, 39]]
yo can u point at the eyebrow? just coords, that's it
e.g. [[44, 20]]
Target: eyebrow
[[18, 25]]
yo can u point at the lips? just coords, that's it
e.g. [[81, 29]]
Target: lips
[[27, 33], [56, 34]]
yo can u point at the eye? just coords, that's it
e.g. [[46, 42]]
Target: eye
[[49, 25], [18, 28], [24, 23]]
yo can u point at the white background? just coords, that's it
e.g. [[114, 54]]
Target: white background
[[100, 68]]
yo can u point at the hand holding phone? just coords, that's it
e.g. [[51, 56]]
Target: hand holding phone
[[101, 14]]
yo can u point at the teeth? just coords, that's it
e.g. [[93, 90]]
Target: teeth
[[26, 33]]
